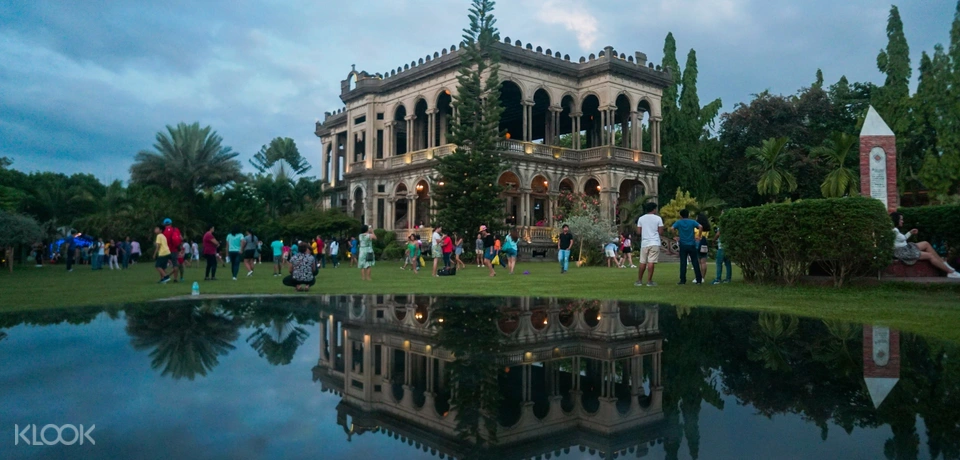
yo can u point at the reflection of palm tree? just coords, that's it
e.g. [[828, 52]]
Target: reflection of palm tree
[[277, 337], [835, 352], [770, 338], [3, 335], [185, 341]]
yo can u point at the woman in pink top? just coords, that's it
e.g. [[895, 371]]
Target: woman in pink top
[[210, 246]]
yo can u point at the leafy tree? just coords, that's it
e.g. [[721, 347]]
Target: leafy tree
[[687, 152], [187, 159], [470, 174], [941, 165], [771, 162], [891, 99], [15, 230], [841, 180], [670, 212], [669, 104]]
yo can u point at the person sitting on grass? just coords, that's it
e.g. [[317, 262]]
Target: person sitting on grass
[[910, 253], [303, 270]]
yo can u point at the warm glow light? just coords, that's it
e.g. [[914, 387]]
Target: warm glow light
[[440, 320], [420, 187], [446, 91], [544, 321], [440, 183], [598, 188], [598, 316], [507, 135], [544, 183]]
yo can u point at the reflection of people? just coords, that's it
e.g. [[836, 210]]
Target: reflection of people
[[909, 253]]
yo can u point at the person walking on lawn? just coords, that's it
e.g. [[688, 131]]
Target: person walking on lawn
[[174, 241], [161, 253], [650, 226], [249, 249], [564, 244], [689, 246], [277, 247], [210, 253]]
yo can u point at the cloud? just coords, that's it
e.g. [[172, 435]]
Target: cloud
[[574, 17]]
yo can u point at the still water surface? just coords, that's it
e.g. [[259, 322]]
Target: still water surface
[[423, 377]]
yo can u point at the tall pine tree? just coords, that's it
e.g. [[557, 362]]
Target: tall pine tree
[[470, 195], [688, 153], [668, 103], [892, 100], [940, 86]]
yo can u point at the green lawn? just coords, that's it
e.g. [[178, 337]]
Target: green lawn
[[932, 310]]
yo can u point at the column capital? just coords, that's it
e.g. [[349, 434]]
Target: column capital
[[410, 117], [527, 103], [555, 108], [634, 113], [433, 111], [576, 114], [656, 119]]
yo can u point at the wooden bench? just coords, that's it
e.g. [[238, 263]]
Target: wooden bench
[[921, 269], [536, 253]]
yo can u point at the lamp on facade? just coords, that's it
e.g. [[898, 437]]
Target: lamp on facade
[[420, 187], [598, 188], [440, 183], [507, 135]]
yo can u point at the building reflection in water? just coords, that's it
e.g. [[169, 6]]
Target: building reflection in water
[[581, 375]]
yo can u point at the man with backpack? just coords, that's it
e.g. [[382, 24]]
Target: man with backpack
[[174, 240]]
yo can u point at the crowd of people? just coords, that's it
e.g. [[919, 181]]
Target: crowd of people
[[302, 259]]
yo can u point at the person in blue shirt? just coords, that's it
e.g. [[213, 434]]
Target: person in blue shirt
[[689, 246]]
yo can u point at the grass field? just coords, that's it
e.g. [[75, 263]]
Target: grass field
[[931, 310]]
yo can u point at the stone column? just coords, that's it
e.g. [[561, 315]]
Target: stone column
[[524, 217], [431, 128], [388, 139], [603, 127], [323, 161], [575, 122], [443, 128], [525, 106], [410, 134], [411, 210], [390, 219], [634, 129]]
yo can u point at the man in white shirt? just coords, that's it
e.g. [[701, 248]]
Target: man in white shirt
[[650, 226], [334, 253], [435, 250]]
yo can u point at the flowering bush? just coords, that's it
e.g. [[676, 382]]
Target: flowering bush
[[572, 204]]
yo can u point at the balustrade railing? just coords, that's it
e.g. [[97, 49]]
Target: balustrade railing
[[512, 146]]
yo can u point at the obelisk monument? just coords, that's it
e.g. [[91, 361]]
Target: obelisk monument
[[881, 361], [878, 161]]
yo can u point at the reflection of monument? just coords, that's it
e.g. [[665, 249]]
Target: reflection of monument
[[878, 161], [577, 375], [881, 361]]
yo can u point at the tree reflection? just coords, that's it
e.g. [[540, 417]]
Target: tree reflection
[[769, 341], [185, 341], [278, 334], [469, 330]]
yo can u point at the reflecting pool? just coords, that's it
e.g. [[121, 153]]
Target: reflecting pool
[[468, 377]]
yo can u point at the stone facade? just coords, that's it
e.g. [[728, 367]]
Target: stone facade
[[378, 152]]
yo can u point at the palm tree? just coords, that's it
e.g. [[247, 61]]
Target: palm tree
[[186, 159], [281, 148], [184, 341], [631, 211], [772, 160], [841, 180]]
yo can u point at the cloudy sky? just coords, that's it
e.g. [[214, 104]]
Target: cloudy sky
[[85, 85]]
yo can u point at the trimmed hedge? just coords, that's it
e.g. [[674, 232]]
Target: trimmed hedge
[[939, 225], [779, 242]]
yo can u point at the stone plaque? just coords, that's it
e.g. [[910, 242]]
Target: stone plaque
[[881, 345], [878, 174]]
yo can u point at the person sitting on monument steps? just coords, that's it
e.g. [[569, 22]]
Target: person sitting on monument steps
[[910, 253]]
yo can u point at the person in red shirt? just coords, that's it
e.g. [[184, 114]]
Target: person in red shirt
[[174, 241], [210, 246], [446, 244]]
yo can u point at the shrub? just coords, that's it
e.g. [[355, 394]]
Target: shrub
[[779, 242], [937, 225]]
